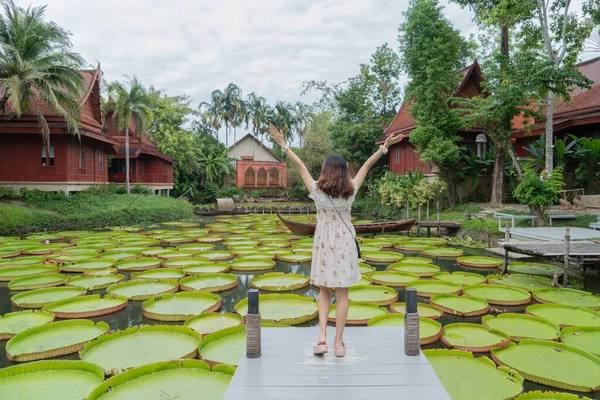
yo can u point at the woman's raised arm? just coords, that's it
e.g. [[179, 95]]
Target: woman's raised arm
[[277, 136], [364, 170]]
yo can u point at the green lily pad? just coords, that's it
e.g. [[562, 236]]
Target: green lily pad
[[216, 255], [137, 346], [17, 322], [410, 246], [180, 306], [424, 310], [564, 315], [169, 380], [464, 306], [86, 306], [139, 264], [101, 272], [570, 297], [40, 297], [460, 277], [242, 264], [498, 294], [279, 281], [208, 323], [209, 282], [71, 258], [88, 265], [442, 252], [154, 252], [415, 260], [365, 268], [422, 270], [294, 257], [285, 309], [369, 248], [210, 239], [50, 380], [10, 273], [520, 327], [479, 262], [53, 339], [463, 375], [563, 366], [206, 268], [225, 346], [258, 256], [526, 282], [118, 255], [196, 247], [358, 313], [364, 280], [473, 337], [380, 295], [185, 262], [393, 278], [539, 395], [159, 273], [381, 257], [529, 268], [143, 289], [37, 282], [429, 330], [585, 338], [22, 261], [428, 288]]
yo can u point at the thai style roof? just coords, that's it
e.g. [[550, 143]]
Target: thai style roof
[[252, 137]]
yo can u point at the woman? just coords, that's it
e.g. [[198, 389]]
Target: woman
[[335, 253]]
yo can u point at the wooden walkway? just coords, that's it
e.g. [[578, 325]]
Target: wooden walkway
[[375, 367]]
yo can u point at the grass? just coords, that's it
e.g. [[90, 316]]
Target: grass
[[90, 212]]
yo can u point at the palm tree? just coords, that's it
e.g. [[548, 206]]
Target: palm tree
[[212, 111], [215, 164], [231, 111], [128, 103], [258, 114], [36, 61], [302, 120]]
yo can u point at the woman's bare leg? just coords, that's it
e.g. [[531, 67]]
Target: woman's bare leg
[[324, 304], [341, 314]]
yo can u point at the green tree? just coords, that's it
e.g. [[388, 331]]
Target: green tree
[[214, 165], [432, 52], [232, 107], [258, 115], [213, 111], [36, 60], [129, 102]]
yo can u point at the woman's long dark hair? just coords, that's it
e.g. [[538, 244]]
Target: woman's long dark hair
[[335, 180]]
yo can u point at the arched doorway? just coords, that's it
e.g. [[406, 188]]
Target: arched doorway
[[274, 177], [250, 177], [262, 177]]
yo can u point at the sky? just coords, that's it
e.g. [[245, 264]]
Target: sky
[[268, 46]]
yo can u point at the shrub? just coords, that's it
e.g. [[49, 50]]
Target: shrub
[[230, 192]]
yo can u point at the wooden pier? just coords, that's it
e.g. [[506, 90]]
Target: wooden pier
[[375, 367]]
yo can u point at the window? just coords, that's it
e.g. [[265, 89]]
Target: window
[[100, 161], [81, 157], [398, 156], [249, 177], [262, 177], [45, 161], [274, 177]]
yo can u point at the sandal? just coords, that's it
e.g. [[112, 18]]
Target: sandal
[[320, 349], [340, 352]]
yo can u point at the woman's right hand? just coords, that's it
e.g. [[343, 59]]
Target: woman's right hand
[[277, 135]]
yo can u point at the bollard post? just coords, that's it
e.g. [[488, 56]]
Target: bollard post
[[253, 339], [567, 257], [412, 344]]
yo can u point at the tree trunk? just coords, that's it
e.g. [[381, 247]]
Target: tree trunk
[[550, 132], [226, 135], [516, 165], [234, 139], [498, 177], [127, 161], [539, 214], [451, 189]]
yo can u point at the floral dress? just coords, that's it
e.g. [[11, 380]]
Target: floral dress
[[334, 256]]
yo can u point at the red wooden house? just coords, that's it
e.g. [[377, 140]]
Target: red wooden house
[[73, 163]]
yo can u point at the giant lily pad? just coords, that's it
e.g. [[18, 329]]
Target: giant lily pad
[[185, 262], [428, 288], [286, 309], [410, 246], [137, 346], [460, 277], [393, 278], [87, 306], [295, 257], [223, 346], [498, 294], [525, 282], [40, 297], [570, 297], [209, 282], [196, 247], [88, 265], [464, 306], [22, 261], [479, 262], [37, 282], [465, 376], [139, 264], [358, 313], [585, 338], [539, 395], [71, 258], [180, 379], [563, 366], [520, 327], [154, 252], [442, 252], [53, 340], [143, 289], [10, 273], [473, 337], [180, 306], [424, 310], [365, 268], [423, 270], [206, 268], [279, 282], [251, 265], [96, 282], [208, 323], [380, 295], [216, 255], [16, 322], [50, 380], [381, 257], [415, 260], [528, 268], [429, 330], [159, 273], [564, 315]]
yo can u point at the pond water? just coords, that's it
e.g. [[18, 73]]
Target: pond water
[[132, 315]]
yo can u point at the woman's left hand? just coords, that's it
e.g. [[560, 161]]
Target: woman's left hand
[[392, 140]]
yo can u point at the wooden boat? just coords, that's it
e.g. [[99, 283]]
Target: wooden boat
[[307, 228]]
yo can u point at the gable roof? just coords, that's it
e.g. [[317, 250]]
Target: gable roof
[[252, 137]]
